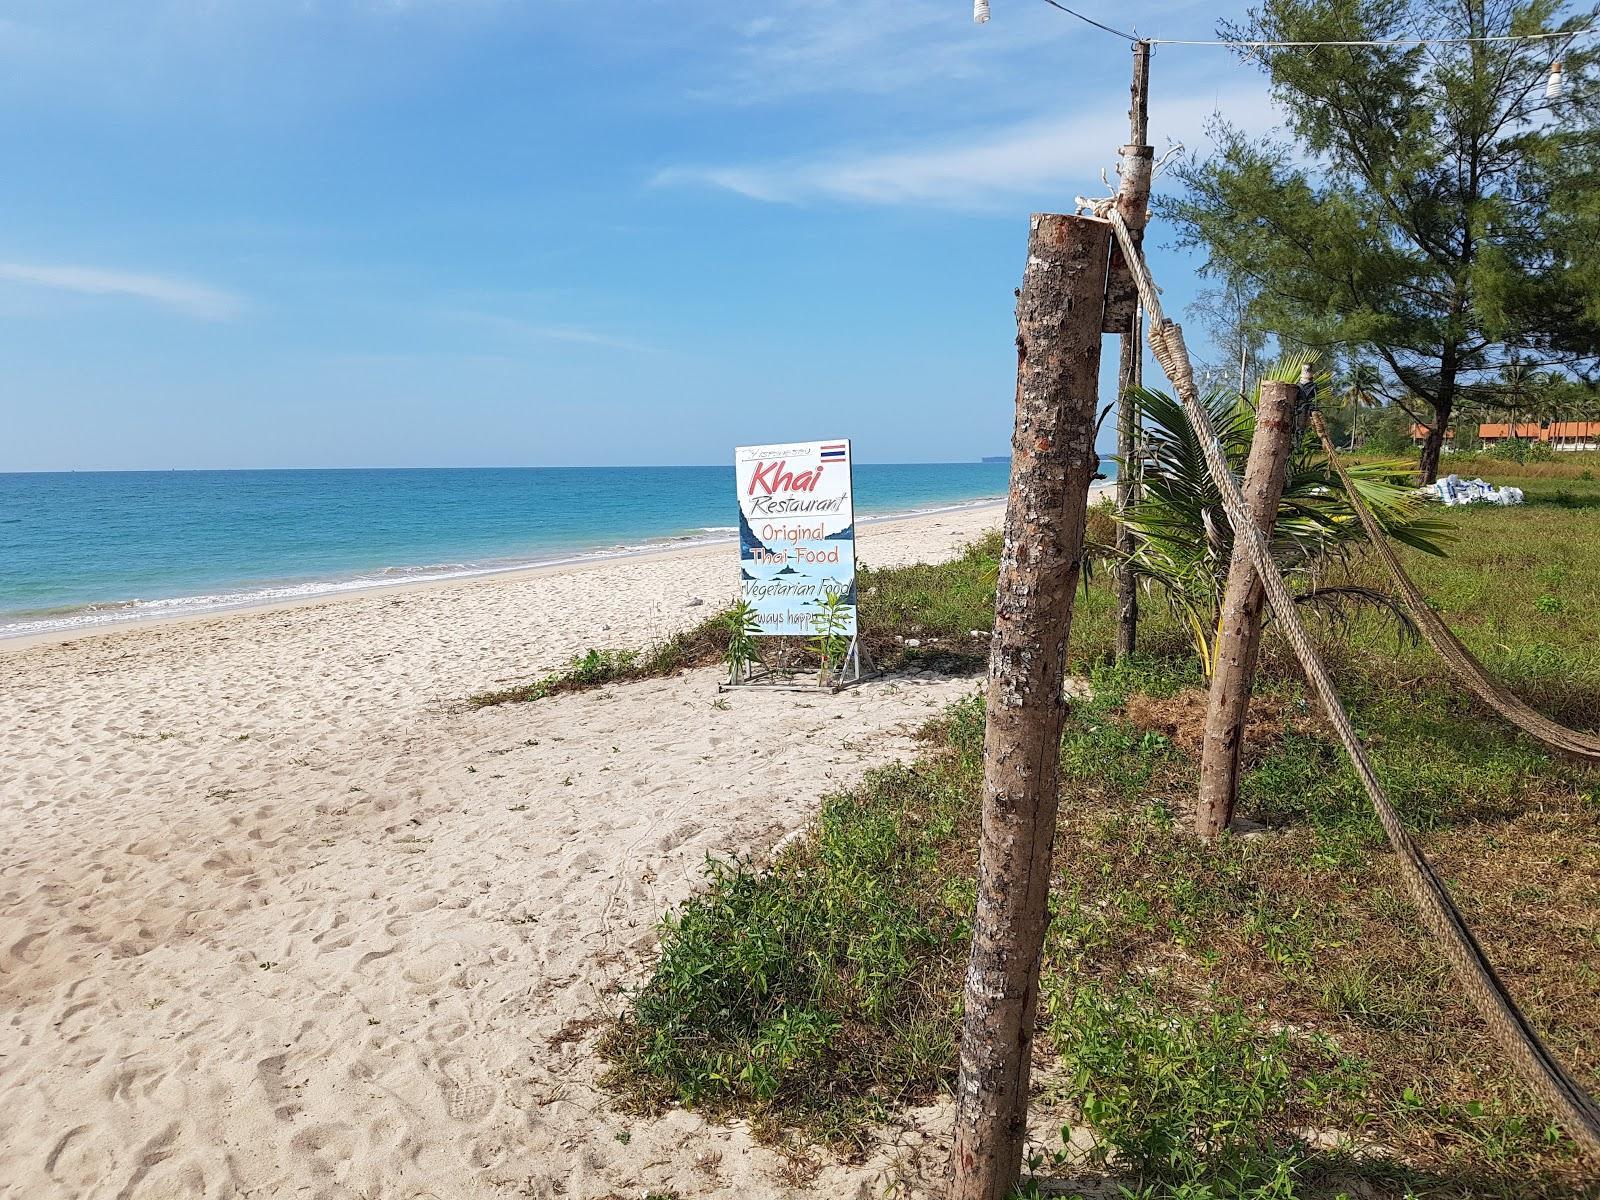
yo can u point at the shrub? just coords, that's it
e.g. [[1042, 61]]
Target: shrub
[[1187, 1102], [1521, 450]]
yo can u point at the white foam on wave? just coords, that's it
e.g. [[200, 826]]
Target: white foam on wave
[[120, 612]]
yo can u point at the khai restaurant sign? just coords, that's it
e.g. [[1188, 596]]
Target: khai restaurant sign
[[797, 541]]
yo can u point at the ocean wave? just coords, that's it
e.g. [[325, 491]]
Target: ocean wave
[[118, 612]]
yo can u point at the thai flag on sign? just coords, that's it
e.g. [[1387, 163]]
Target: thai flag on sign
[[833, 451]]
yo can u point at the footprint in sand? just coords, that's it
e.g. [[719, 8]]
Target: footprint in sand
[[372, 956], [269, 1071], [324, 1146], [27, 948], [468, 1097], [431, 964], [446, 1030], [677, 837], [74, 1158], [470, 1102]]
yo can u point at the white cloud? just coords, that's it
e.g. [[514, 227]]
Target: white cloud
[[192, 299], [1062, 156], [518, 329], [904, 50], [902, 54]]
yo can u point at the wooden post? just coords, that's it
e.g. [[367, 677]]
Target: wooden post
[[1059, 310], [1133, 201], [1239, 631]]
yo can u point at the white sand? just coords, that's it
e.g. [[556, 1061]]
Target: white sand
[[278, 917]]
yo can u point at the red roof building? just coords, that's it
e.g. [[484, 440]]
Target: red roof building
[[1558, 435]]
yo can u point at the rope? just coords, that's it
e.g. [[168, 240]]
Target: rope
[[1572, 742], [1535, 1064], [1091, 21]]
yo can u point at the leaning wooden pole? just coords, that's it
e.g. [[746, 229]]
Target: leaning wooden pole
[[1122, 317], [1239, 631], [1059, 311]]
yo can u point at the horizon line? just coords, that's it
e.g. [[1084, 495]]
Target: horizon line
[[476, 467]]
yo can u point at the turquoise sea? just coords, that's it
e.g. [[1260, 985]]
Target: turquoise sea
[[96, 548]]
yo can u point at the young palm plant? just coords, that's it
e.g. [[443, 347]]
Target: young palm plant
[[1183, 542]]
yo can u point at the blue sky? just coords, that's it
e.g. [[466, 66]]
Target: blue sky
[[458, 232]]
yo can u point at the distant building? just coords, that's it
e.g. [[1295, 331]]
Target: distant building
[[1558, 435]]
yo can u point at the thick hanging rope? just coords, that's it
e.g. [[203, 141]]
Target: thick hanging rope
[[1572, 742], [1535, 1064]]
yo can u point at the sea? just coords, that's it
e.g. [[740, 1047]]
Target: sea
[[89, 548]]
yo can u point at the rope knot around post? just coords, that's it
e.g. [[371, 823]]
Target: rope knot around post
[[1166, 343]]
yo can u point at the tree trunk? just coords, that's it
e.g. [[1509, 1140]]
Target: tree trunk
[[1127, 492], [1133, 202], [1059, 311], [1443, 404], [1433, 443], [1239, 630]]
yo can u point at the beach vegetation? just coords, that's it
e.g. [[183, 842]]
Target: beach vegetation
[[1261, 1017], [829, 640], [590, 669], [705, 643], [816, 992], [920, 616], [744, 639], [1183, 542]]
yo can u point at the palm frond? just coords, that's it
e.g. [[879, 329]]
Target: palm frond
[[1341, 603], [1183, 541]]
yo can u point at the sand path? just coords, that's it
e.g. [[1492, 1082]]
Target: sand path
[[278, 917]]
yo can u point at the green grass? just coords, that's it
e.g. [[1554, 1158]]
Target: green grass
[[816, 994], [1260, 1018], [1307, 924]]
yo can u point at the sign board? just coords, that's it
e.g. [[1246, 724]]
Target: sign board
[[797, 535]]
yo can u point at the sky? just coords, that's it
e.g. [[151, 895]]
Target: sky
[[355, 233]]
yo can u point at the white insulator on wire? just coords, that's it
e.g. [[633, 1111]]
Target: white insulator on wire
[[980, 12], [1553, 87]]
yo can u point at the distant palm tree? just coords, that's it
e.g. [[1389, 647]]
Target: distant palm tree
[[1360, 389], [1553, 402], [1472, 413], [1519, 386], [1586, 407]]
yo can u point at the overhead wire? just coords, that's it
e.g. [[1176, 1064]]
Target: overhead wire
[[1267, 44]]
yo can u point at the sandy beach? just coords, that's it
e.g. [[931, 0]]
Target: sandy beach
[[279, 916]]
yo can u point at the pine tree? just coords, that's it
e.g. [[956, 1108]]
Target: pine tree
[[1430, 204]]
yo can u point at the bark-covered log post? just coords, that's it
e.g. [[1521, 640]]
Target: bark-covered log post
[[1239, 630], [1122, 317], [1128, 378], [1059, 310]]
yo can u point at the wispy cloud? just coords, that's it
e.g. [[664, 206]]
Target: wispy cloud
[[185, 296], [538, 331], [976, 170], [901, 51]]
